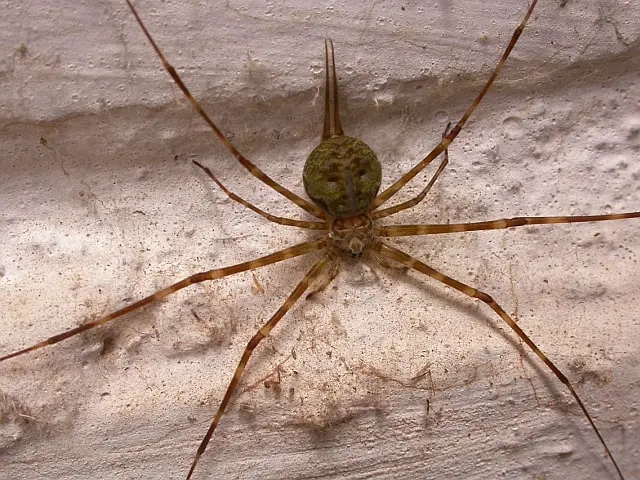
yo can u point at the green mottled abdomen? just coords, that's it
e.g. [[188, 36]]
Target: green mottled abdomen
[[342, 175]]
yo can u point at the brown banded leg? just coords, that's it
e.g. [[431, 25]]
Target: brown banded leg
[[402, 181], [385, 212], [384, 262], [287, 253], [246, 163], [407, 230], [332, 125], [272, 218], [325, 280], [399, 256], [310, 276]]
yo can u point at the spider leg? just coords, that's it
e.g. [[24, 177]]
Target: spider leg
[[407, 230], [444, 143], [311, 275], [332, 125], [246, 163], [272, 218], [385, 212], [325, 280], [276, 257], [399, 256]]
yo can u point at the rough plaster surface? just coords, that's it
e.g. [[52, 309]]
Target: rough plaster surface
[[100, 205]]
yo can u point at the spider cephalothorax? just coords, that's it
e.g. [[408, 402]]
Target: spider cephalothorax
[[353, 234]]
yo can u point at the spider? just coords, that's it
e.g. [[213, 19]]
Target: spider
[[349, 226]]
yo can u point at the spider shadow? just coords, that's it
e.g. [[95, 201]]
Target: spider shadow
[[468, 309]]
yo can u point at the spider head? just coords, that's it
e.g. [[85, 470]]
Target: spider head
[[352, 235]]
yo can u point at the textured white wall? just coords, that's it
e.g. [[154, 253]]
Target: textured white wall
[[100, 204]]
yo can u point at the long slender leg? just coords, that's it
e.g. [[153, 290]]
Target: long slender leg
[[393, 189], [407, 230], [310, 276], [276, 257], [332, 125], [399, 256], [385, 212], [325, 280], [272, 218], [246, 163]]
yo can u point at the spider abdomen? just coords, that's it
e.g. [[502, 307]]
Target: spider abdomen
[[342, 175]]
